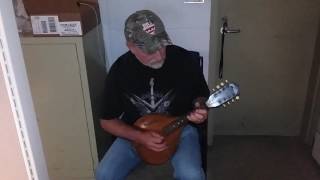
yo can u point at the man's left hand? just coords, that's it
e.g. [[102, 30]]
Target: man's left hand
[[200, 112], [198, 115]]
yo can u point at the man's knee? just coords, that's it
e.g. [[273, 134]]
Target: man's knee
[[191, 173], [190, 131], [100, 174], [106, 171], [103, 174]]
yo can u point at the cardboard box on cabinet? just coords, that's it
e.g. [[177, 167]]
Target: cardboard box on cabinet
[[61, 17]]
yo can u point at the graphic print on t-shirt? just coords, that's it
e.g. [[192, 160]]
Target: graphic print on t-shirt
[[152, 101]]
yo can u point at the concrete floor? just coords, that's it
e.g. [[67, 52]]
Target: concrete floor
[[248, 158]]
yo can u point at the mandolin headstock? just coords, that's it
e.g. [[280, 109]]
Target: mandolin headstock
[[225, 93]]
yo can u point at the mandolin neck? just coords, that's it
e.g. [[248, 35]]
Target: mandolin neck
[[176, 124], [182, 120]]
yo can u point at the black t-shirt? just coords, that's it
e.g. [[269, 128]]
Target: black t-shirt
[[133, 89]]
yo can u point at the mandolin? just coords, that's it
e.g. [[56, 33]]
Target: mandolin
[[170, 127]]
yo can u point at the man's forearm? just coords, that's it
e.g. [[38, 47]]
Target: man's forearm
[[118, 128]]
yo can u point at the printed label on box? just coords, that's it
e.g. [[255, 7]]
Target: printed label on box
[[45, 24], [70, 28]]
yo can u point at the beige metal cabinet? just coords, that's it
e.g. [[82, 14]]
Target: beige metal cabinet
[[58, 72]]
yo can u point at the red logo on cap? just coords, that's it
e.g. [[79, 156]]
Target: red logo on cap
[[149, 28]]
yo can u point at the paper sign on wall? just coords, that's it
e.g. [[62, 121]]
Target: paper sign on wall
[[70, 28]]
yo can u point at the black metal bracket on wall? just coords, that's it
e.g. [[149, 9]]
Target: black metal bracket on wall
[[224, 30]]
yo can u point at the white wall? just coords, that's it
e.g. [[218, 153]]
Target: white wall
[[17, 86], [188, 25], [11, 156]]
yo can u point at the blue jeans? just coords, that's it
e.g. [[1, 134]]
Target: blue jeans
[[121, 158]]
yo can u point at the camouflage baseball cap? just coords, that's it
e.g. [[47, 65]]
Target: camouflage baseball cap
[[145, 29]]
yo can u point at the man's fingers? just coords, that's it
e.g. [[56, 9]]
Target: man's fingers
[[158, 146], [197, 105], [157, 138], [198, 115], [156, 142], [156, 135]]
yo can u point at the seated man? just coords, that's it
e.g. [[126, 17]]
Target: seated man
[[153, 77]]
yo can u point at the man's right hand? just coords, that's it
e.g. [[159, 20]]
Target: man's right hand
[[149, 139], [152, 140]]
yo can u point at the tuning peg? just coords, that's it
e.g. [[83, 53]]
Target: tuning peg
[[226, 81], [218, 87], [228, 102], [224, 105], [237, 97], [222, 84], [213, 89], [232, 100]]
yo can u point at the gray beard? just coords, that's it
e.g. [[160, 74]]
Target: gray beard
[[157, 65]]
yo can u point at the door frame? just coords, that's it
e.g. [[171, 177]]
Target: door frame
[[214, 49], [311, 115]]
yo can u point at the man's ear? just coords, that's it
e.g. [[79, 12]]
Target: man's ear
[[131, 47]]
